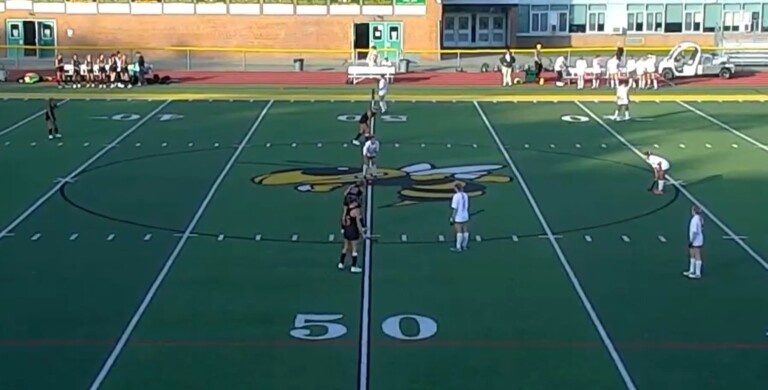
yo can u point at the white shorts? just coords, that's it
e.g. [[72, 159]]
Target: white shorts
[[622, 102], [461, 218], [697, 243], [382, 95]]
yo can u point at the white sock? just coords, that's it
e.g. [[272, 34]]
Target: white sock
[[626, 114], [365, 169], [655, 84], [697, 266], [616, 114], [465, 239], [661, 185], [692, 266], [383, 105], [373, 169], [459, 240]]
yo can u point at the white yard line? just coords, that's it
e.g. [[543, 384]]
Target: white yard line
[[28, 119], [61, 182], [172, 258], [736, 238], [561, 255], [365, 306], [723, 125]]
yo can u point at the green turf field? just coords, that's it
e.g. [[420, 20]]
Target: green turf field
[[193, 245]]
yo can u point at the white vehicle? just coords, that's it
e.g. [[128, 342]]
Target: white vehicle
[[687, 60]]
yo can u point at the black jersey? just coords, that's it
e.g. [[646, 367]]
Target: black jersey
[[365, 118], [349, 225], [50, 113]]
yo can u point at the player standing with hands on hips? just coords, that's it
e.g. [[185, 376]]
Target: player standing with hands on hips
[[460, 217], [695, 243]]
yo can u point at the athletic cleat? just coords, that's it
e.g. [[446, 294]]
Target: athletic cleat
[[58, 135], [50, 137], [454, 249], [340, 266], [356, 142], [355, 270]]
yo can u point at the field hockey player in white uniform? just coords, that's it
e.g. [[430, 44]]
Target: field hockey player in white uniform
[[370, 151], [695, 243], [460, 217], [597, 71], [622, 101], [660, 168], [383, 88], [581, 72]]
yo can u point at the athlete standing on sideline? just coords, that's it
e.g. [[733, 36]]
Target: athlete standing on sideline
[[383, 88], [365, 125], [460, 217], [660, 168], [50, 120], [370, 151], [695, 243], [352, 230], [622, 101]]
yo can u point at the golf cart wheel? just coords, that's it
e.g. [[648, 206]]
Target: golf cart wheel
[[725, 73], [667, 74]]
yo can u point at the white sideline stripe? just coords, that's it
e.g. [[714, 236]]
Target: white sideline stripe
[[77, 171], [723, 126], [735, 237], [28, 119], [172, 258], [682, 189], [563, 261], [35, 237]]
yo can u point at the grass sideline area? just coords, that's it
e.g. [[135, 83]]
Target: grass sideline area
[[397, 92]]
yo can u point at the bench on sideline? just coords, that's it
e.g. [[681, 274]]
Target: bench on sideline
[[358, 73]]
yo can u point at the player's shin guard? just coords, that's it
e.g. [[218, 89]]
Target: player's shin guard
[[383, 105], [365, 169], [459, 240], [465, 240], [342, 257], [661, 185], [697, 268], [692, 266]]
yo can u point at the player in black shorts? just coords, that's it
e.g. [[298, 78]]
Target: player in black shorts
[[352, 228], [50, 120], [365, 125]]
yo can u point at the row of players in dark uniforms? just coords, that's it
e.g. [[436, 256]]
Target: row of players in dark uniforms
[[104, 71], [352, 222]]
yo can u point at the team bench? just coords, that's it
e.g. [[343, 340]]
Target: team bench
[[357, 73]]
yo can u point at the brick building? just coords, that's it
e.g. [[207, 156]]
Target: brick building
[[337, 26]]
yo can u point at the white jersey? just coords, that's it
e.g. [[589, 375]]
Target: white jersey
[[657, 161], [371, 148], [597, 65], [581, 66], [613, 65], [560, 64], [622, 95], [460, 203], [696, 230], [383, 86]]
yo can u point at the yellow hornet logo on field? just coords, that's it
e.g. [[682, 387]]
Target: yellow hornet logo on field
[[422, 182]]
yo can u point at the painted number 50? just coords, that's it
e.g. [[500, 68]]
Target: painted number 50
[[322, 327]]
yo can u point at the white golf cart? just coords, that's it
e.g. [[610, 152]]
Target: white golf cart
[[687, 60]]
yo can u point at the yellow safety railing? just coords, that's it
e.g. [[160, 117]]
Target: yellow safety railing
[[246, 58]]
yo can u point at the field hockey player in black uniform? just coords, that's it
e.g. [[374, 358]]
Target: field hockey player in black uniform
[[50, 120], [365, 125], [352, 228]]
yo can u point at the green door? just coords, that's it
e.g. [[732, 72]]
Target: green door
[[377, 37], [46, 37], [395, 40], [14, 34]]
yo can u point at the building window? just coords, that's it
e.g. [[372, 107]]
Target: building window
[[693, 18], [539, 18], [764, 22], [654, 18], [674, 22], [635, 18], [712, 15], [732, 17], [596, 18], [577, 19], [752, 17], [560, 15]]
